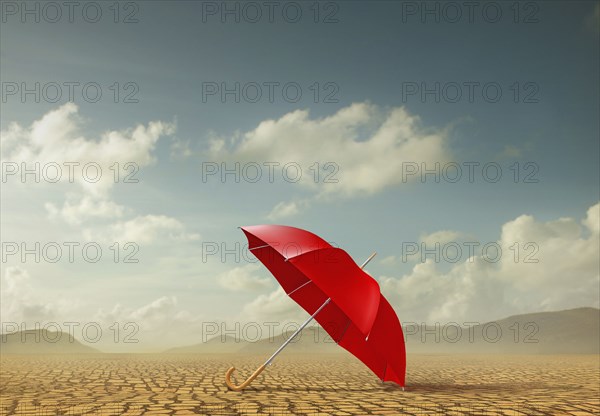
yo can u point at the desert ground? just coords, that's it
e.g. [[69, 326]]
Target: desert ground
[[297, 384]]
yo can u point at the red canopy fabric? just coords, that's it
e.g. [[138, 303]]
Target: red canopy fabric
[[358, 317]]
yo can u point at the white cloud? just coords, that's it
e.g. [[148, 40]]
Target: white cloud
[[244, 279], [77, 210], [441, 237], [565, 275], [389, 260], [22, 305], [142, 230], [180, 148], [592, 220], [157, 325], [287, 209], [367, 143], [155, 315], [157, 309], [273, 307], [56, 143], [56, 140]]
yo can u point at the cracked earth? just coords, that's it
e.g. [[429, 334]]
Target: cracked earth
[[329, 384]]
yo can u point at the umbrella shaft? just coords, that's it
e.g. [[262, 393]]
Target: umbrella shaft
[[297, 332], [368, 260], [308, 320]]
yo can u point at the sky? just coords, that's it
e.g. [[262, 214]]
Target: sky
[[460, 143]]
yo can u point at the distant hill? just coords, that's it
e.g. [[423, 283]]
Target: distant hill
[[42, 342], [311, 340], [573, 331]]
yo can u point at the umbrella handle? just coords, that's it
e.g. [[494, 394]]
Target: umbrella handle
[[245, 383]]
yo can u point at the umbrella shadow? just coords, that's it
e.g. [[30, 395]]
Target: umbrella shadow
[[418, 388], [320, 388], [459, 388]]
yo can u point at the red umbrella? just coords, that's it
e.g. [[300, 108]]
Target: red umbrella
[[330, 286]]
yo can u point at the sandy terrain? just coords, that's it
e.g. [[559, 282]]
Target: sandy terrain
[[113, 384]]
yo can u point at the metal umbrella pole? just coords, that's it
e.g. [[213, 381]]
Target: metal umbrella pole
[[285, 344]]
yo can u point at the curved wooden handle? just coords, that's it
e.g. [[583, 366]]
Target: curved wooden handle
[[245, 383]]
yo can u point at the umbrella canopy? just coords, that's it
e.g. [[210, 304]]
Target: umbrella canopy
[[357, 316]]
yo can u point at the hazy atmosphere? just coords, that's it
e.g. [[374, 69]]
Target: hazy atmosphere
[[461, 145]]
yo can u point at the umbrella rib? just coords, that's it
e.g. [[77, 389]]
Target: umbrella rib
[[255, 248], [344, 332], [299, 287], [368, 260], [362, 266]]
